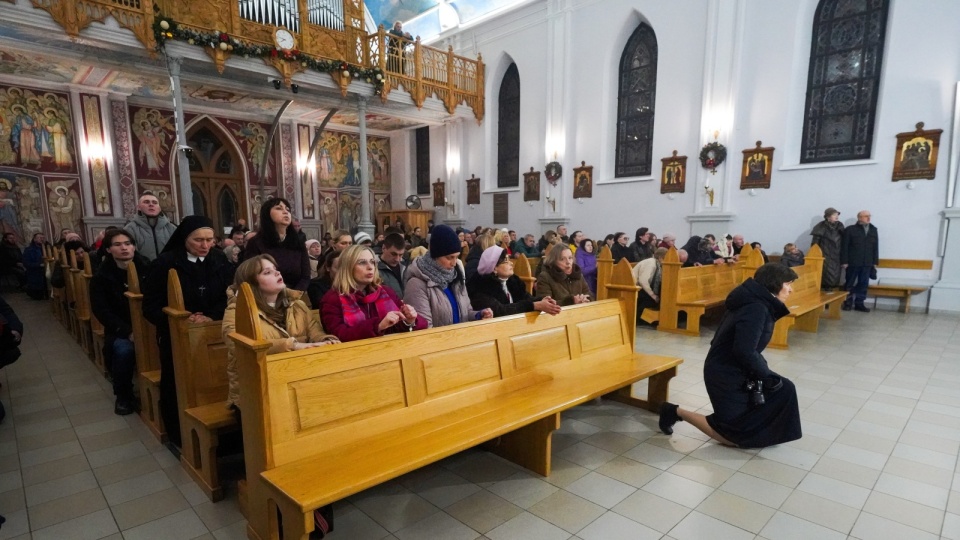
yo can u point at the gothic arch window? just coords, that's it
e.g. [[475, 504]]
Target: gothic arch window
[[636, 101], [844, 80], [508, 130]]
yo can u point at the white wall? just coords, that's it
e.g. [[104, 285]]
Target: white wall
[[920, 69]]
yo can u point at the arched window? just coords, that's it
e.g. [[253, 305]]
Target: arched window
[[636, 101], [844, 80], [508, 132]]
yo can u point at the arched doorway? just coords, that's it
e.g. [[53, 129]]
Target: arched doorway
[[216, 177]]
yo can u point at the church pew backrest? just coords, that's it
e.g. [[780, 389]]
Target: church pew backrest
[[523, 269]]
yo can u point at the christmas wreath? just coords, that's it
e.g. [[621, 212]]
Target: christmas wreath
[[553, 171], [712, 155]]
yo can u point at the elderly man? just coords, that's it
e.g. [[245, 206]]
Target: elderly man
[[150, 229], [527, 246], [669, 241], [859, 255], [737, 243]]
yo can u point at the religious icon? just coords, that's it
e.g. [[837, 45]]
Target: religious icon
[[757, 167], [917, 154], [439, 193], [473, 190], [583, 181], [673, 177], [531, 185]]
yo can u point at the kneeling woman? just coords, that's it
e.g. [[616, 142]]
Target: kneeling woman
[[496, 287], [753, 407], [358, 306]]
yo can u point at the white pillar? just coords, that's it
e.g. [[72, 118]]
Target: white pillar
[[183, 166], [560, 137], [365, 224]]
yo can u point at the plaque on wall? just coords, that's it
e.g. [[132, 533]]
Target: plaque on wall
[[917, 154], [473, 190], [583, 181], [673, 178], [439, 193], [531, 186], [757, 167], [501, 209]]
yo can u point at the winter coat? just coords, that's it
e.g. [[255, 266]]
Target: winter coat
[[301, 326], [331, 315], [473, 261], [390, 279], [429, 300], [486, 292], [150, 240], [641, 251], [36, 267], [792, 259], [109, 303], [860, 248], [293, 263], [734, 358], [623, 252], [562, 288], [520, 246], [829, 236]]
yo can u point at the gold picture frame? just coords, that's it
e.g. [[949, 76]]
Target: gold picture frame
[[757, 167], [673, 175], [916, 157], [583, 181], [531, 185]]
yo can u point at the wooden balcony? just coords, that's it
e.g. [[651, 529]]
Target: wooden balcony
[[330, 38]]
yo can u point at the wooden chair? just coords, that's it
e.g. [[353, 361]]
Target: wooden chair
[[523, 270], [148, 357], [200, 365], [325, 423]]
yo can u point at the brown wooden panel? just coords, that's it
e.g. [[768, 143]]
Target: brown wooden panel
[[347, 396], [461, 367], [908, 264], [600, 333], [535, 348]]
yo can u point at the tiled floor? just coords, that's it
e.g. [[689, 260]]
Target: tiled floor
[[880, 395]]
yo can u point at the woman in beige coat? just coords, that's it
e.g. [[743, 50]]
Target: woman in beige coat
[[562, 279], [285, 320]]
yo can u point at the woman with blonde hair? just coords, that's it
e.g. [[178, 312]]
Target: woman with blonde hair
[[562, 279], [359, 306], [285, 320]]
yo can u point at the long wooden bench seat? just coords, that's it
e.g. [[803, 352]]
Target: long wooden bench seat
[[200, 366], [891, 288], [324, 423], [148, 357], [808, 304], [97, 335]]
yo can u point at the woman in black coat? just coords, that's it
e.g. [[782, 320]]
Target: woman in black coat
[[204, 274], [496, 287], [734, 363], [277, 237]]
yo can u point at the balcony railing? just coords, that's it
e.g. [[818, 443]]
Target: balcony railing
[[325, 30]]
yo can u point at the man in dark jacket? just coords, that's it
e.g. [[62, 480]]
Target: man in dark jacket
[[111, 308], [9, 342], [36, 268], [391, 262], [859, 254], [11, 259]]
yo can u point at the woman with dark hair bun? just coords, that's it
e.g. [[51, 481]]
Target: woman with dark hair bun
[[753, 407], [277, 237]]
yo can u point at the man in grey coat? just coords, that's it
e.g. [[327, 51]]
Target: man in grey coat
[[150, 228]]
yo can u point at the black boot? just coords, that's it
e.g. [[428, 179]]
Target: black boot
[[668, 417]]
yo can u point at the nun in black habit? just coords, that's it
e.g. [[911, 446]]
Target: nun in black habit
[[205, 273]]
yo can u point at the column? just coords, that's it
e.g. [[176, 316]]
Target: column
[[365, 224], [945, 294], [183, 166], [454, 214], [560, 136], [721, 77]]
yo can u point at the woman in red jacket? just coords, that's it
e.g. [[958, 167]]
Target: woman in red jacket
[[359, 306]]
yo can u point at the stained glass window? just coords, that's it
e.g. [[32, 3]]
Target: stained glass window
[[635, 103], [842, 87], [508, 132]]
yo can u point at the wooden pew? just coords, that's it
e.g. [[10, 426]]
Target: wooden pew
[[69, 296], [52, 259], [96, 329], [200, 365], [524, 270], [322, 424], [82, 302], [807, 302], [890, 288], [148, 357]]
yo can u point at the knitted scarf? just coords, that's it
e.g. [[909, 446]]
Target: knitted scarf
[[439, 275], [353, 314]]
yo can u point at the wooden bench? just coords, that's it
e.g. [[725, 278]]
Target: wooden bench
[[322, 424], [96, 334], [51, 258], [148, 357], [807, 302], [902, 291], [82, 298], [695, 289], [69, 296], [200, 365], [524, 270]]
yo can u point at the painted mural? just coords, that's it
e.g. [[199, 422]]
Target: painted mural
[[338, 161], [349, 209], [21, 206], [164, 194], [329, 203], [36, 131], [252, 138], [154, 134], [64, 204]]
